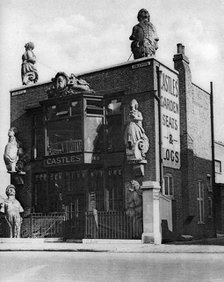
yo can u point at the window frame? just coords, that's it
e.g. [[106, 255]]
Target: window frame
[[169, 176], [201, 201], [210, 207], [220, 166]]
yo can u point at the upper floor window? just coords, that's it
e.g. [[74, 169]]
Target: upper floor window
[[38, 134], [94, 107], [63, 128], [168, 185], [200, 200], [218, 166], [114, 125]]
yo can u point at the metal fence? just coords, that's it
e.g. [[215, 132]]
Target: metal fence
[[39, 225], [92, 224], [112, 225]]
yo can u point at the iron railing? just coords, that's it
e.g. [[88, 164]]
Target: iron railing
[[64, 147], [92, 224], [39, 225], [112, 225]]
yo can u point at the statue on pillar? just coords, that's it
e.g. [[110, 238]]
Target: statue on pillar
[[13, 153], [12, 210], [28, 70], [136, 141], [144, 37], [134, 207]]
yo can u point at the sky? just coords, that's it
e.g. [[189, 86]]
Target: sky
[[75, 36]]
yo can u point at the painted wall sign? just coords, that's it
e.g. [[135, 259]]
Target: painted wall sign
[[63, 160], [140, 65], [170, 118], [18, 92]]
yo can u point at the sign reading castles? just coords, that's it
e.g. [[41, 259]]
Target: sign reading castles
[[170, 118]]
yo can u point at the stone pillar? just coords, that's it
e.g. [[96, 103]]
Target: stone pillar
[[151, 215]]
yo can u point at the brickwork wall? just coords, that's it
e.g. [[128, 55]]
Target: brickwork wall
[[195, 150], [22, 119], [177, 210], [219, 156], [199, 122]]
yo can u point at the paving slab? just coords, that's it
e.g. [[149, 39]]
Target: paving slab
[[105, 246]]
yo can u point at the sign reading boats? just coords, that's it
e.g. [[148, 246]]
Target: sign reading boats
[[170, 118]]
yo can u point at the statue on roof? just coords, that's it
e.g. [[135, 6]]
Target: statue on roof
[[63, 85], [28, 70], [144, 37]]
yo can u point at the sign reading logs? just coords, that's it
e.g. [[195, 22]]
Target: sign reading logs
[[170, 118]]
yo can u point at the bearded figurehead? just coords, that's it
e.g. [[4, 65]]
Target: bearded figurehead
[[144, 37]]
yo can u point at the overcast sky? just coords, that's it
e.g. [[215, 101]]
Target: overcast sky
[[80, 35]]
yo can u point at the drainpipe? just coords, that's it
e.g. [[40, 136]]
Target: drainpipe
[[159, 72], [213, 150]]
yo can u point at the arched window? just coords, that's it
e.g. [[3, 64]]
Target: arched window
[[168, 185]]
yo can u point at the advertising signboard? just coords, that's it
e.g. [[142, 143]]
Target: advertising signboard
[[170, 118]]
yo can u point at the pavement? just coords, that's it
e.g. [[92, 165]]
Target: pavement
[[213, 245]]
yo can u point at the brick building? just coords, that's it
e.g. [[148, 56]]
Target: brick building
[[219, 186], [76, 150]]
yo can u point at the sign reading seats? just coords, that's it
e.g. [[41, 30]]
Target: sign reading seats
[[170, 118]]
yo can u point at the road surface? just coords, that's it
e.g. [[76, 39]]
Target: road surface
[[98, 266]]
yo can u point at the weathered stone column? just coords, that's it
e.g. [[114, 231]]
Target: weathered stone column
[[151, 215]]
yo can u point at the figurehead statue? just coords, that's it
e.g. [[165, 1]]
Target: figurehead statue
[[136, 141], [12, 210], [13, 154], [134, 207], [63, 85], [28, 70], [144, 37]]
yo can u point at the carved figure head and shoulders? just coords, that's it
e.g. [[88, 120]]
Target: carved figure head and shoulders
[[29, 72], [11, 206], [144, 36], [29, 55], [63, 85]]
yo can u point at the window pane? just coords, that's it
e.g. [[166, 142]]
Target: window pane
[[64, 136], [218, 168], [75, 108], [94, 107], [171, 185], [166, 184]]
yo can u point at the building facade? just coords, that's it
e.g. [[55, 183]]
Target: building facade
[[76, 153], [219, 186]]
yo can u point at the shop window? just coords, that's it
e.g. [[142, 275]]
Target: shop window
[[96, 190], [200, 201], [40, 195], [115, 198], [168, 185], [55, 192], [218, 166]]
